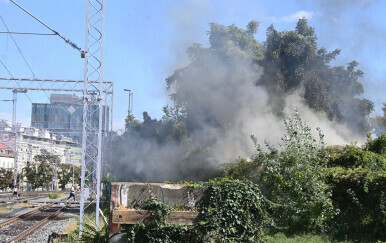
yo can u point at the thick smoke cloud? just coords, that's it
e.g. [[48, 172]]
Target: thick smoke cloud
[[355, 26], [225, 107]]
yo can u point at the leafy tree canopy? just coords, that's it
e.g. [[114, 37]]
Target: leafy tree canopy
[[293, 62]]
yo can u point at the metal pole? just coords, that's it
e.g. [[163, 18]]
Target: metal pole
[[99, 157], [14, 108], [56, 174], [130, 108], [84, 127], [15, 91], [16, 137]]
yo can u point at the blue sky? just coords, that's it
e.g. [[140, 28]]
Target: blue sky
[[145, 41]]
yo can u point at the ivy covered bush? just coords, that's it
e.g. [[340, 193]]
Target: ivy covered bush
[[234, 211], [358, 180]]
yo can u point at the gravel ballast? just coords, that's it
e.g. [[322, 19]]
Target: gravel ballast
[[56, 225]]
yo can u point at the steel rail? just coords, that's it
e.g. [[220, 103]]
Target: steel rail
[[25, 215], [25, 233]]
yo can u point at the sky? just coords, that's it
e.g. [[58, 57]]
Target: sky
[[145, 41]]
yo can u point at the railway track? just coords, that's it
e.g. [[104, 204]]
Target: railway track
[[6, 198], [17, 228]]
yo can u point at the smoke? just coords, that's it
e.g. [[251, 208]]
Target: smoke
[[188, 20], [356, 27], [224, 107]]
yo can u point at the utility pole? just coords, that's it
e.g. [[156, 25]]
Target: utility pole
[[91, 133], [92, 129], [15, 91], [130, 109], [56, 173]]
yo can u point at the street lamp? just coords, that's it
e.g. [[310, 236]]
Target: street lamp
[[130, 110]]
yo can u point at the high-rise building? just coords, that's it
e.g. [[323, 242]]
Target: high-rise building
[[64, 116]]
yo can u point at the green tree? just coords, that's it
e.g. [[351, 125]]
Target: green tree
[[66, 173], [45, 168], [6, 179], [31, 174], [292, 62], [379, 122], [216, 72]]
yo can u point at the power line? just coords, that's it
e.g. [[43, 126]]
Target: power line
[[29, 67], [24, 33], [17, 46], [48, 27], [10, 74]]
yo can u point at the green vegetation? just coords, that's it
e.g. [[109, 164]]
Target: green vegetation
[[358, 180], [288, 192], [6, 179], [89, 234], [293, 179], [54, 195], [339, 191], [235, 211], [65, 175], [330, 194], [40, 173], [282, 238], [379, 122]]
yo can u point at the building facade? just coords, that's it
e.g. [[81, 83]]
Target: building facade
[[7, 157], [27, 142], [64, 116]]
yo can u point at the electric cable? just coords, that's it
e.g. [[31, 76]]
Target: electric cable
[[10, 74], [17, 46], [48, 27], [24, 33], [29, 67]]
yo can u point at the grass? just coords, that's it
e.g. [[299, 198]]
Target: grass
[[282, 238], [54, 195], [9, 208], [89, 234]]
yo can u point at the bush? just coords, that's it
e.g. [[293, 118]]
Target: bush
[[234, 211], [53, 195], [352, 156], [242, 169], [293, 179], [358, 181], [378, 145]]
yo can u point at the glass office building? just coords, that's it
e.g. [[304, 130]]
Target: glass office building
[[64, 116]]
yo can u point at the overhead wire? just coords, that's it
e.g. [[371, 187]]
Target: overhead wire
[[24, 33], [48, 27], [6, 50], [10, 74], [17, 46], [21, 53], [29, 67]]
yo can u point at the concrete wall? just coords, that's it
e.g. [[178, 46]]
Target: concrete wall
[[129, 194]]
